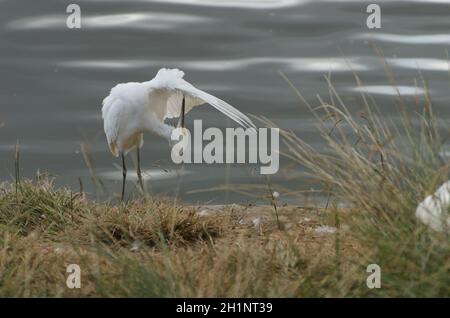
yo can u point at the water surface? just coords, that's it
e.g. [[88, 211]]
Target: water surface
[[53, 79]]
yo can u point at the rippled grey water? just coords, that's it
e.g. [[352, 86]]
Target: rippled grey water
[[52, 79]]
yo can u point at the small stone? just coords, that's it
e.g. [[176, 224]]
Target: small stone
[[325, 229], [135, 246], [287, 226], [257, 221], [59, 250]]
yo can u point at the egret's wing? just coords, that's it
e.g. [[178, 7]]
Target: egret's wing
[[173, 107], [106, 105], [112, 113], [217, 103], [172, 81]]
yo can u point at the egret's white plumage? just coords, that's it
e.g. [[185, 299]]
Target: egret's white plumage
[[434, 210], [134, 108]]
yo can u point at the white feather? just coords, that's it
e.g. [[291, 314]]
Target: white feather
[[172, 82], [433, 211], [134, 108]]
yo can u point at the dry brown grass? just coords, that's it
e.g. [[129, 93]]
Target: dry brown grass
[[155, 248], [152, 248]]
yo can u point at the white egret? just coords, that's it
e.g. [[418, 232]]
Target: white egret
[[433, 211], [134, 108]]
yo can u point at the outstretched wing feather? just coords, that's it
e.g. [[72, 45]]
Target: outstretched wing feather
[[217, 103], [171, 80], [173, 104]]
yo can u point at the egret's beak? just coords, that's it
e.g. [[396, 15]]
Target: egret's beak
[[181, 119]]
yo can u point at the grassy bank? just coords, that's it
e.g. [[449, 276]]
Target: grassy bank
[[155, 248], [152, 248]]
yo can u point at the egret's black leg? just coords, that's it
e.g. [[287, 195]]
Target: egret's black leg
[[124, 175], [139, 172], [183, 110]]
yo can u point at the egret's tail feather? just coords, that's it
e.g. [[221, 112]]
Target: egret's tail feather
[[114, 149]]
